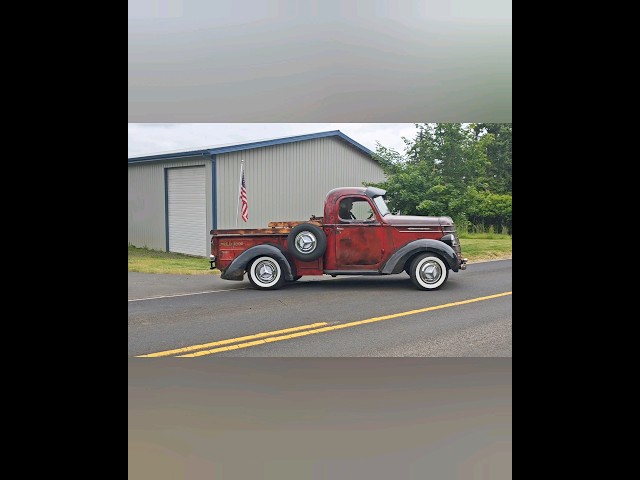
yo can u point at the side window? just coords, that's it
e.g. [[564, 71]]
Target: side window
[[345, 212], [355, 210], [362, 210]]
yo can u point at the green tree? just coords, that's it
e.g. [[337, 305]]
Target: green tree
[[499, 153], [454, 169]]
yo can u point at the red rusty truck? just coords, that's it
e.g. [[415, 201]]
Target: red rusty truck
[[357, 235]]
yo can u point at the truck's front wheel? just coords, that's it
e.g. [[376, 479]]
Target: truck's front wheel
[[428, 271], [265, 273]]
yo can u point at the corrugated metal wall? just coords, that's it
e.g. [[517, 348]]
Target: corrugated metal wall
[[147, 214], [289, 181]]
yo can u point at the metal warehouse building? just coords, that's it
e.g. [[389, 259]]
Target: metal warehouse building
[[175, 199]]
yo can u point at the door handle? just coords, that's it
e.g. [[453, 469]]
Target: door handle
[[338, 229]]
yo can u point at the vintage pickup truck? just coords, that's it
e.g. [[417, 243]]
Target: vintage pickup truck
[[366, 240]]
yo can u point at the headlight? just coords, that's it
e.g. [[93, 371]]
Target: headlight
[[449, 239]]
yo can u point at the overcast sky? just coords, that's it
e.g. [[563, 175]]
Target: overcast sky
[[150, 138]]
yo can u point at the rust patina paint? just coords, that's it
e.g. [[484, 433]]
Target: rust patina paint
[[355, 245]]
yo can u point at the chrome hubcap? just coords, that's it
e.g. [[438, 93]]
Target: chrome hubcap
[[266, 271], [306, 242], [430, 272]]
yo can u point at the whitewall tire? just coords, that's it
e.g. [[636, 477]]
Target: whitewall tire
[[265, 273], [428, 271]]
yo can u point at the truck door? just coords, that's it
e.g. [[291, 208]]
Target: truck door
[[359, 241]]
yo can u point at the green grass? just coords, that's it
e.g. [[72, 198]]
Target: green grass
[[485, 235], [153, 261], [475, 247]]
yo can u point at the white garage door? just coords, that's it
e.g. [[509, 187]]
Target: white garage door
[[187, 210]]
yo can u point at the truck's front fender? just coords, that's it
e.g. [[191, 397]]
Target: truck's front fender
[[397, 260], [235, 271]]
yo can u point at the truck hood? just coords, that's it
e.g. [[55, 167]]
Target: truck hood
[[414, 220]]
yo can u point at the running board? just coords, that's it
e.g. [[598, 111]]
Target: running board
[[352, 272]]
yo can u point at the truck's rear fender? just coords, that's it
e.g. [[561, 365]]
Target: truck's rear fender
[[399, 258], [235, 271]]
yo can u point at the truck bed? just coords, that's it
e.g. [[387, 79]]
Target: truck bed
[[227, 244], [274, 228]]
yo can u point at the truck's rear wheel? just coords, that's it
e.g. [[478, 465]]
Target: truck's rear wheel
[[265, 273], [428, 271], [306, 242]]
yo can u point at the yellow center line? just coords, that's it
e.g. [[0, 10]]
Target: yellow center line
[[331, 328], [231, 340]]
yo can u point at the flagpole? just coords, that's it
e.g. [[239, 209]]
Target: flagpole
[[239, 187]]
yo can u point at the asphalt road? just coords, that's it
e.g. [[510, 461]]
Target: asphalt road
[[385, 316]]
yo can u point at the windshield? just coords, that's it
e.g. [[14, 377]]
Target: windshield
[[382, 206]]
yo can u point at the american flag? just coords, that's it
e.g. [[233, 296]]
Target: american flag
[[243, 198]]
